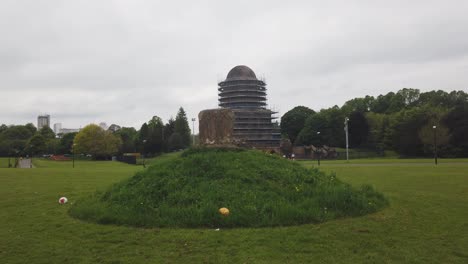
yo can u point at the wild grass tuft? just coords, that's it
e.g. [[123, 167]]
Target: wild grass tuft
[[259, 189]]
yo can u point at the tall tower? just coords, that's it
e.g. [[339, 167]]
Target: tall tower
[[58, 128], [42, 121], [246, 96]]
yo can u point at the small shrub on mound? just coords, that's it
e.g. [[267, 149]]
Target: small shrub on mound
[[258, 189]]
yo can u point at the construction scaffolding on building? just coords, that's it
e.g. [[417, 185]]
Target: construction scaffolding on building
[[246, 96]]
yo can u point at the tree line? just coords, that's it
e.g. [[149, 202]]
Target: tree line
[[152, 138], [408, 122]]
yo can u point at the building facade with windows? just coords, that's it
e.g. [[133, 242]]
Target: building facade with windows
[[42, 121]]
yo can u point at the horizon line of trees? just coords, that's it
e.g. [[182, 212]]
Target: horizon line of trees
[[152, 138], [403, 122]]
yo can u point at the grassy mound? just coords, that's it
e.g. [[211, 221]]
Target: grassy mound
[[259, 190]]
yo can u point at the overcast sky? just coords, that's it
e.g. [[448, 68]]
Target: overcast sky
[[124, 61]]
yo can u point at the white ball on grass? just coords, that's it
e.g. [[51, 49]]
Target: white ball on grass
[[63, 200]]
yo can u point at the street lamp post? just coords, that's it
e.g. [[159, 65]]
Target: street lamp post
[[30, 164], [144, 143], [193, 131], [346, 132], [435, 144], [73, 150], [16, 158], [319, 148]]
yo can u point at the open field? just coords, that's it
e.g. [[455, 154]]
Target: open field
[[385, 161], [427, 221]]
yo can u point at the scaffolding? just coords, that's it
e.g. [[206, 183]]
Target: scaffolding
[[246, 96]]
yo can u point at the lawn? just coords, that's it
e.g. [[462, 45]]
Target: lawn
[[427, 221], [387, 161]]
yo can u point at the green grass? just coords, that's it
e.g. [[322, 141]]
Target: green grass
[[79, 164], [259, 189], [425, 223], [151, 161], [376, 161]]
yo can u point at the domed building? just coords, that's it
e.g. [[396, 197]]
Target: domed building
[[243, 93]]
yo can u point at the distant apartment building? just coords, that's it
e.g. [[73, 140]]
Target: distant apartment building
[[64, 131], [58, 128], [42, 121]]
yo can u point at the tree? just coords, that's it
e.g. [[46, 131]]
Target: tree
[[457, 123], [66, 142], [18, 132], [329, 122], [168, 130], [378, 125], [36, 145], [128, 135], [52, 146], [382, 103], [114, 128], [6, 148], [155, 137], [358, 104], [405, 136], [143, 135], [181, 127], [14, 139], [410, 96], [358, 129], [293, 121], [3, 127], [427, 134], [94, 140], [308, 135], [175, 142], [47, 133], [31, 128]]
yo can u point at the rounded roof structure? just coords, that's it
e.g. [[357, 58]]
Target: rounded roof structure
[[241, 72]]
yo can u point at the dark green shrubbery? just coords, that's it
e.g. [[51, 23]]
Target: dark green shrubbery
[[259, 190]]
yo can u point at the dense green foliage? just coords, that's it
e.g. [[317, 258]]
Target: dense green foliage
[[401, 121], [154, 137], [259, 189], [24, 140], [14, 139], [128, 135], [182, 128], [329, 122], [293, 121], [96, 141], [66, 143]]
